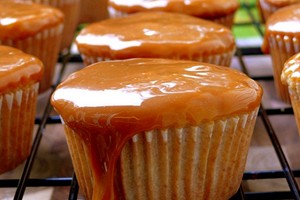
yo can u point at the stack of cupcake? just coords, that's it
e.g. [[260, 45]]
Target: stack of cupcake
[[156, 113], [282, 40], [30, 39], [35, 29], [20, 75], [145, 119]]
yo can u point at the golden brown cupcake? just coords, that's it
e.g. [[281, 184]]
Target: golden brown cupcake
[[93, 11], [220, 11], [20, 74], [156, 35], [291, 77], [158, 128], [268, 7], [35, 29], [282, 40], [71, 11]]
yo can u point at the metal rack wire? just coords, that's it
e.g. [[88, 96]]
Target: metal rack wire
[[286, 173]]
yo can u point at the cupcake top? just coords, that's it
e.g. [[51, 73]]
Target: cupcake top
[[200, 8], [280, 3], [291, 71], [18, 68], [19, 20], [154, 35], [284, 22], [152, 93]]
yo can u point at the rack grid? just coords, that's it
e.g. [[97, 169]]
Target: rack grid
[[290, 175]]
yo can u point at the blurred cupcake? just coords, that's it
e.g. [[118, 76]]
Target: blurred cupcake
[[156, 35], [291, 77], [35, 29], [20, 74], [282, 40], [70, 9], [93, 11], [219, 11], [268, 7], [158, 128]]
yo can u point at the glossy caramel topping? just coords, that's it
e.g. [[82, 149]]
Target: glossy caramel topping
[[291, 71], [281, 3], [285, 21], [108, 102], [17, 68], [154, 35], [200, 8], [23, 19]]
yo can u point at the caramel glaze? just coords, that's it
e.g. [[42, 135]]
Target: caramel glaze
[[291, 70], [108, 102], [285, 21], [281, 3], [19, 20], [154, 35], [17, 69], [200, 8]]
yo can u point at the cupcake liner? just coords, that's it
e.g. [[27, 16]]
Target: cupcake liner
[[80, 161], [294, 91], [18, 111], [71, 9], [184, 163], [44, 45], [223, 59], [281, 49]]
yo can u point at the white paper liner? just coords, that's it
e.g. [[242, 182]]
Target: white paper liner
[[203, 162], [17, 114], [44, 45], [223, 59], [281, 49]]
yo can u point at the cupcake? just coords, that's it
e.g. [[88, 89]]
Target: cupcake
[[158, 128], [93, 11], [70, 9], [20, 74], [156, 35], [268, 7], [291, 77], [219, 11], [35, 29], [282, 40]]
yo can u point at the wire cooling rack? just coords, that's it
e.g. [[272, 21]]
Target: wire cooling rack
[[285, 173]]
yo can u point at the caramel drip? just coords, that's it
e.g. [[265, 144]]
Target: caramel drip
[[109, 102], [18, 68], [285, 21], [19, 20], [155, 35], [200, 8]]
